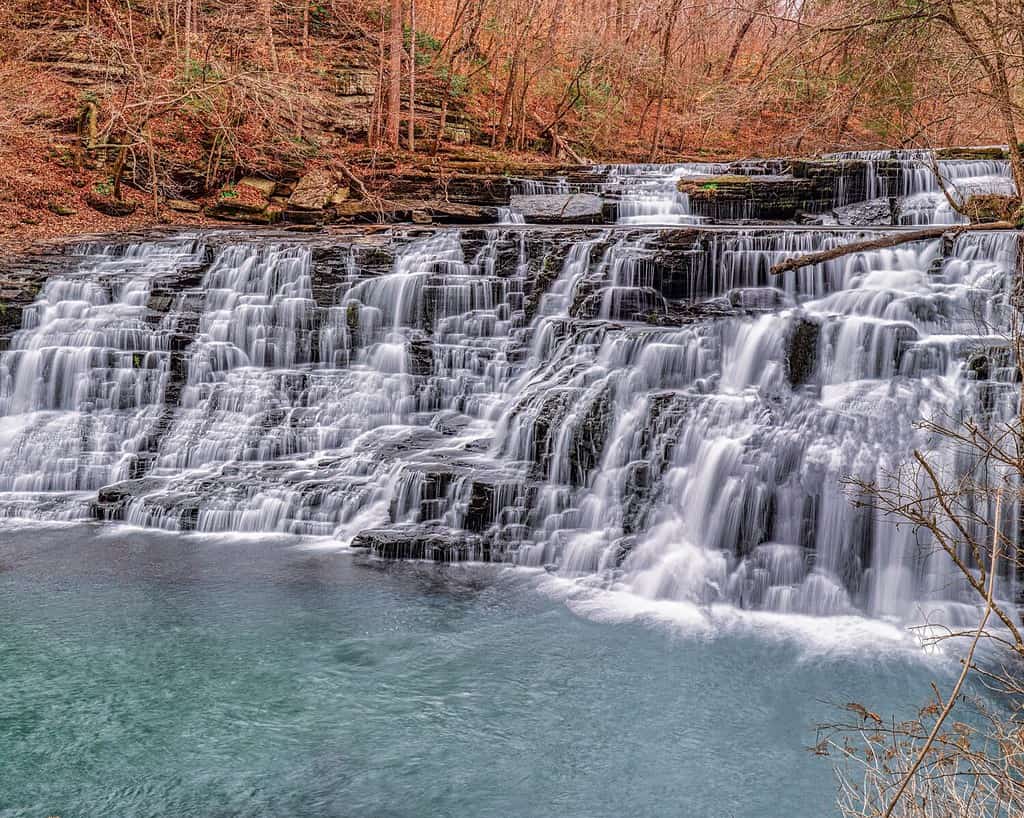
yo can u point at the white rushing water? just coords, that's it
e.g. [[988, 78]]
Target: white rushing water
[[649, 194], [639, 410], [910, 176]]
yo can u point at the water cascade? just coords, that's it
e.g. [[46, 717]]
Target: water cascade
[[634, 408], [910, 176]]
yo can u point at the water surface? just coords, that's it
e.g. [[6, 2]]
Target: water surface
[[146, 674]]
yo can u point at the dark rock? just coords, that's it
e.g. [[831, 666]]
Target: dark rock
[[421, 356], [112, 501], [739, 198], [803, 350], [438, 544], [109, 205], [589, 438]]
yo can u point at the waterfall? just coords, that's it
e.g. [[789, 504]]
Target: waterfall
[[82, 384], [641, 409], [909, 175], [649, 194]]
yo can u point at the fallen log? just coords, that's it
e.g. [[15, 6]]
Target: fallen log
[[888, 240]]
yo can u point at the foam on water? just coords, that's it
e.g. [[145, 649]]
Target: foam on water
[[840, 637]]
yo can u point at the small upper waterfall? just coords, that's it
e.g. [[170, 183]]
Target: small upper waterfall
[[649, 194], [913, 177], [638, 408]]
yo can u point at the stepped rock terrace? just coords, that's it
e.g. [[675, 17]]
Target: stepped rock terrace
[[642, 407]]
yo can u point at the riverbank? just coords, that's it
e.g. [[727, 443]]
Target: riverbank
[[51, 191]]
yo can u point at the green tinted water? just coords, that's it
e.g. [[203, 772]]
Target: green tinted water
[[161, 675]]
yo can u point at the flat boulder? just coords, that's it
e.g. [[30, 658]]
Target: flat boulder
[[862, 214], [441, 211], [244, 202], [560, 208], [184, 206], [108, 205], [264, 186], [313, 192]]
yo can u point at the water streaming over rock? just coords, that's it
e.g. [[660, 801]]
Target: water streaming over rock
[[910, 176], [636, 408]]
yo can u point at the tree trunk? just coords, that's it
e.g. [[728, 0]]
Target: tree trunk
[[730, 61], [305, 29], [412, 75], [119, 165], [395, 75], [1001, 87], [888, 240], [501, 136], [666, 51], [188, 34], [443, 120], [266, 7], [376, 130]]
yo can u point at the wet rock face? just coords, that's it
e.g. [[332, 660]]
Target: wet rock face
[[559, 208], [21, 280], [423, 543], [760, 198], [802, 355], [112, 501], [679, 259]]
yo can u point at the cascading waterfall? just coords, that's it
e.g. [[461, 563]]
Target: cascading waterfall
[[910, 176], [638, 409], [82, 385], [648, 194]]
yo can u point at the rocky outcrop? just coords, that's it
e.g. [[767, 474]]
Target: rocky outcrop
[[313, 193], [435, 543], [21, 279], [742, 198], [560, 208], [112, 501], [968, 153], [247, 201]]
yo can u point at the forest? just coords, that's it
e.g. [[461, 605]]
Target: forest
[[172, 99]]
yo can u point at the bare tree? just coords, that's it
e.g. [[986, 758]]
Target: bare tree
[[412, 75], [963, 496], [395, 75]]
